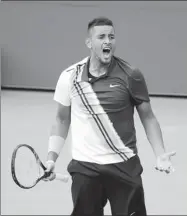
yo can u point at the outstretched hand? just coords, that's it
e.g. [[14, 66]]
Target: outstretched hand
[[163, 162]]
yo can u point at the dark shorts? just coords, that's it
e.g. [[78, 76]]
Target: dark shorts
[[120, 184]]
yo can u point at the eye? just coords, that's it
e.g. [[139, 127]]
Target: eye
[[101, 36], [112, 37]]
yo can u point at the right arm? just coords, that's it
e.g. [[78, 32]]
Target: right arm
[[61, 124], [59, 132]]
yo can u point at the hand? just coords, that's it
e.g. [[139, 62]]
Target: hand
[[50, 166], [164, 162]]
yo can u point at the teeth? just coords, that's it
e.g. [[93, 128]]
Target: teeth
[[107, 49]]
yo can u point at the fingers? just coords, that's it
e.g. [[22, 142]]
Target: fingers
[[50, 166], [170, 169], [50, 175], [170, 154], [166, 170], [163, 163], [159, 168]]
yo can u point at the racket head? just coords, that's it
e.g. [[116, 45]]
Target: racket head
[[26, 167]]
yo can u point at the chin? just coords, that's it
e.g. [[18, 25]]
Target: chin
[[106, 61]]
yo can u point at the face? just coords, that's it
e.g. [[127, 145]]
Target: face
[[101, 42]]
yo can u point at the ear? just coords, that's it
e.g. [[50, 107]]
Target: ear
[[88, 43]]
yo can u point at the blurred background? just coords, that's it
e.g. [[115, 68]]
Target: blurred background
[[39, 39]]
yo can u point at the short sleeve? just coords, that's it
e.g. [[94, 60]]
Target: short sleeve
[[138, 88], [62, 91]]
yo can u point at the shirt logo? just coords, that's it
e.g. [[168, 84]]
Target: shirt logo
[[112, 86], [132, 213]]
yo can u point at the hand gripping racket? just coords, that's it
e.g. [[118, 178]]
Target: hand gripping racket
[[27, 169]]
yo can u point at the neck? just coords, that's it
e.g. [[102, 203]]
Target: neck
[[96, 68]]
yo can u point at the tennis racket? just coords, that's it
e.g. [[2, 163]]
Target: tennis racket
[[27, 169]]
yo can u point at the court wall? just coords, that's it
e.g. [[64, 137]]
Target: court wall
[[39, 39]]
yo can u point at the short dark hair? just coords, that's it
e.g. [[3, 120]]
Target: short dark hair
[[100, 21]]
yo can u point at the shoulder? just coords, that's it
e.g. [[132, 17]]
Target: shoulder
[[74, 66], [130, 70], [137, 74], [70, 71]]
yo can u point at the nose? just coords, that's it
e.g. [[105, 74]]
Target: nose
[[107, 40]]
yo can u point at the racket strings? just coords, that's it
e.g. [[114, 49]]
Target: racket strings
[[27, 168]]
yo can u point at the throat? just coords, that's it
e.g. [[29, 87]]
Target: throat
[[96, 68], [98, 72]]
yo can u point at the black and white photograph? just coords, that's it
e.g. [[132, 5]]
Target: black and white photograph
[[93, 108]]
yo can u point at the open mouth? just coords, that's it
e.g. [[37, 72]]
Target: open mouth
[[106, 51]]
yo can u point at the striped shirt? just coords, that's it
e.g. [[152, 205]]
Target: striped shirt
[[102, 124]]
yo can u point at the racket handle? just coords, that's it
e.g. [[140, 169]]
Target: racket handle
[[60, 177]]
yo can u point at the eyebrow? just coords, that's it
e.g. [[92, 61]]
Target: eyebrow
[[105, 34]]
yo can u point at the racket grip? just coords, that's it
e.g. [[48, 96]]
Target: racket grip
[[60, 177]]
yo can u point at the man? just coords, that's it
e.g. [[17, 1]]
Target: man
[[97, 97]]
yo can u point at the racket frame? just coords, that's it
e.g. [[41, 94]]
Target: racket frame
[[45, 175]]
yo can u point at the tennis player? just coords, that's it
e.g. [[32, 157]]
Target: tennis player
[[96, 97]]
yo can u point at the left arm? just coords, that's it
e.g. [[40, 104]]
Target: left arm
[[154, 135], [140, 98], [152, 127]]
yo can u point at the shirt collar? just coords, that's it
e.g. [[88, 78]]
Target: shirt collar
[[85, 77]]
